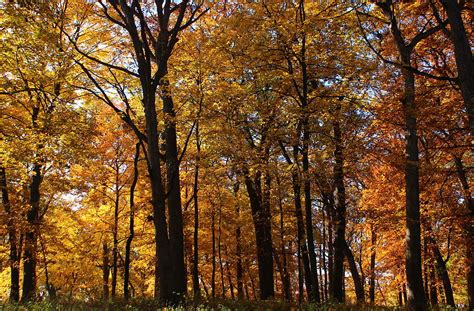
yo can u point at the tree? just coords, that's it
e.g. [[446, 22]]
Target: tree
[[152, 44]]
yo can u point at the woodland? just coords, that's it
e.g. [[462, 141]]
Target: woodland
[[237, 154]]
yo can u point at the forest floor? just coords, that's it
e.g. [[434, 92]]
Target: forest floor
[[149, 304]]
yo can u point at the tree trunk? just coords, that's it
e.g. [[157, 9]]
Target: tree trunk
[[229, 274], [324, 260], [115, 230], [340, 215], [163, 271], [196, 290], [262, 224], [468, 229], [416, 297], [238, 250], [14, 255], [285, 277], [174, 195], [303, 250], [131, 235], [105, 271], [314, 296], [426, 269], [432, 283], [219, 251], [441, 270], [213, 237], [31, 236], [372, 264], [414, 276], [358, 283], [463, 56], [330, 212]]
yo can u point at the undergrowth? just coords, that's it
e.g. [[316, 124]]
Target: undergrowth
[[150, 304]]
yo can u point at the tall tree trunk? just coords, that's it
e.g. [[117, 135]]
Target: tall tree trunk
[[416, 297], [196, 290], [31, 237], [163, 271], [340, 214], [468, 229], [372, 264], [414, 276], [50, 288], [426, 269], [358, 283], [441, 269], [330, 212], [238, 250], [314, 290], [285, 277], [131, 234], [321, 273], [14, 255], [115, 230], [314, 296], [324, 261], [229, 274], [432, 283], [262, 224], [174, 195], [303, 250], [219, 251], [463, 56], [213, 237], [32, 217], [105, 271], [152, 51]]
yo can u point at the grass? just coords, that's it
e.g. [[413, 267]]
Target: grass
[[150, 304]]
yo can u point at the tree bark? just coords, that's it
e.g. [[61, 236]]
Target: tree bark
[[314, 294], [153, 50], [340, 215], [115, 229], [432, 283], [330, 212], [213, 237], [131, 234], [175, 213], [196, 289], [324, 246], [441, 269], [414, 277], [415, 291], [262, 224], [463, 56], [229, 275], [372, 264], [301, 235], [219, 251], [358, 284], [285, 277], [31, 237], [468, 229], [14, 256], [105, 271], [238, 250]]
